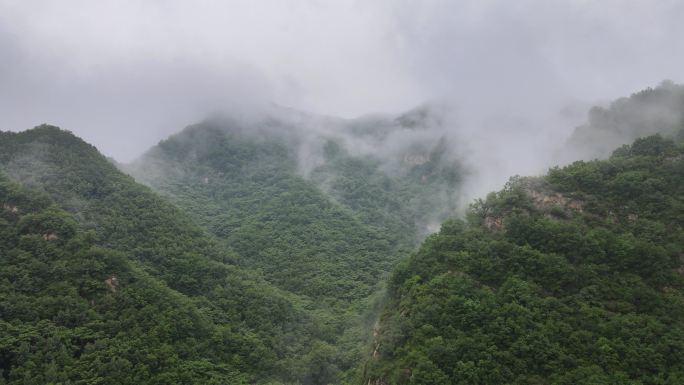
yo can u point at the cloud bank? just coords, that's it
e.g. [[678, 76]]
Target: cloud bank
[[125, 74]]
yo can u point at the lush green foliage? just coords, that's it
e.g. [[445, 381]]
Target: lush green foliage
[[246, 192], [574, 278], [327, 237], [235, 319], [74, 312]]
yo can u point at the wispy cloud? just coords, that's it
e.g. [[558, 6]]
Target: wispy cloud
[[124, 74]]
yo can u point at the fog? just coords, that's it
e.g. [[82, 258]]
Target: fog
[[514, 78]]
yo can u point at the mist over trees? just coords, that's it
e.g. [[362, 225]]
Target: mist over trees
[[651, 111]]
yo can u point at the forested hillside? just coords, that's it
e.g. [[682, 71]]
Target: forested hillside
[[246, 192], [166, 269], [329, 237], [284, 264], [300, 192], [76, 312], [571, 278]]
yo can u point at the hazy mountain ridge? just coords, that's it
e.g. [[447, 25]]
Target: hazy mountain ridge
[[658, 110], [329, 231], [241, 187], [408, 155]]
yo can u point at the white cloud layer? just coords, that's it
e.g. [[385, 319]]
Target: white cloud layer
[[123, 74]]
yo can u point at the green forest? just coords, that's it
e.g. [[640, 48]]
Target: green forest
[[173, 276], [215, 259], [571, 278]]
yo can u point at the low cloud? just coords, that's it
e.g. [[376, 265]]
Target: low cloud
[[518, 76]]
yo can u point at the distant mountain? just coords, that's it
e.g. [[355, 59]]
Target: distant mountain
[[571, 278], [406, 181], [658, 110], [246, 191], [294, 198], [393, 173]]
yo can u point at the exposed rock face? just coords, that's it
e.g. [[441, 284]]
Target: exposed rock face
[[10, 208], [112, 283], [376, 344], [493, 223], [50, 236], [545, 200], [542, 198]]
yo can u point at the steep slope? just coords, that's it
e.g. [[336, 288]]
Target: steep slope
[[267, 334], [294, 200], [246, 192], [571, 278], [74, 312]]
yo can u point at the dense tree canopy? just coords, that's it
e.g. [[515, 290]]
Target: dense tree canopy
[[237, 265], [216, 318], [572, 278]]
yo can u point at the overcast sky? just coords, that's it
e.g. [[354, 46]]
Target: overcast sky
[[125, 74]]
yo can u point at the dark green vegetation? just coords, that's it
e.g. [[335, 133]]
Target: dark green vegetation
[[245, 270], [180, 311], [328, 235], [75, 312], [247, 193], [327, 238], [572, 278]]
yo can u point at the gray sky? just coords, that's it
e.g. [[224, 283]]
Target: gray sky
[[124, 74]]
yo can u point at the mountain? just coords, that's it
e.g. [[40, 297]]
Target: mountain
[[276, 241], [658, 110], [290, 197], [262, 249], [406, 181], [328, 232], [575, 277], [76, 312], [153, 296]]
